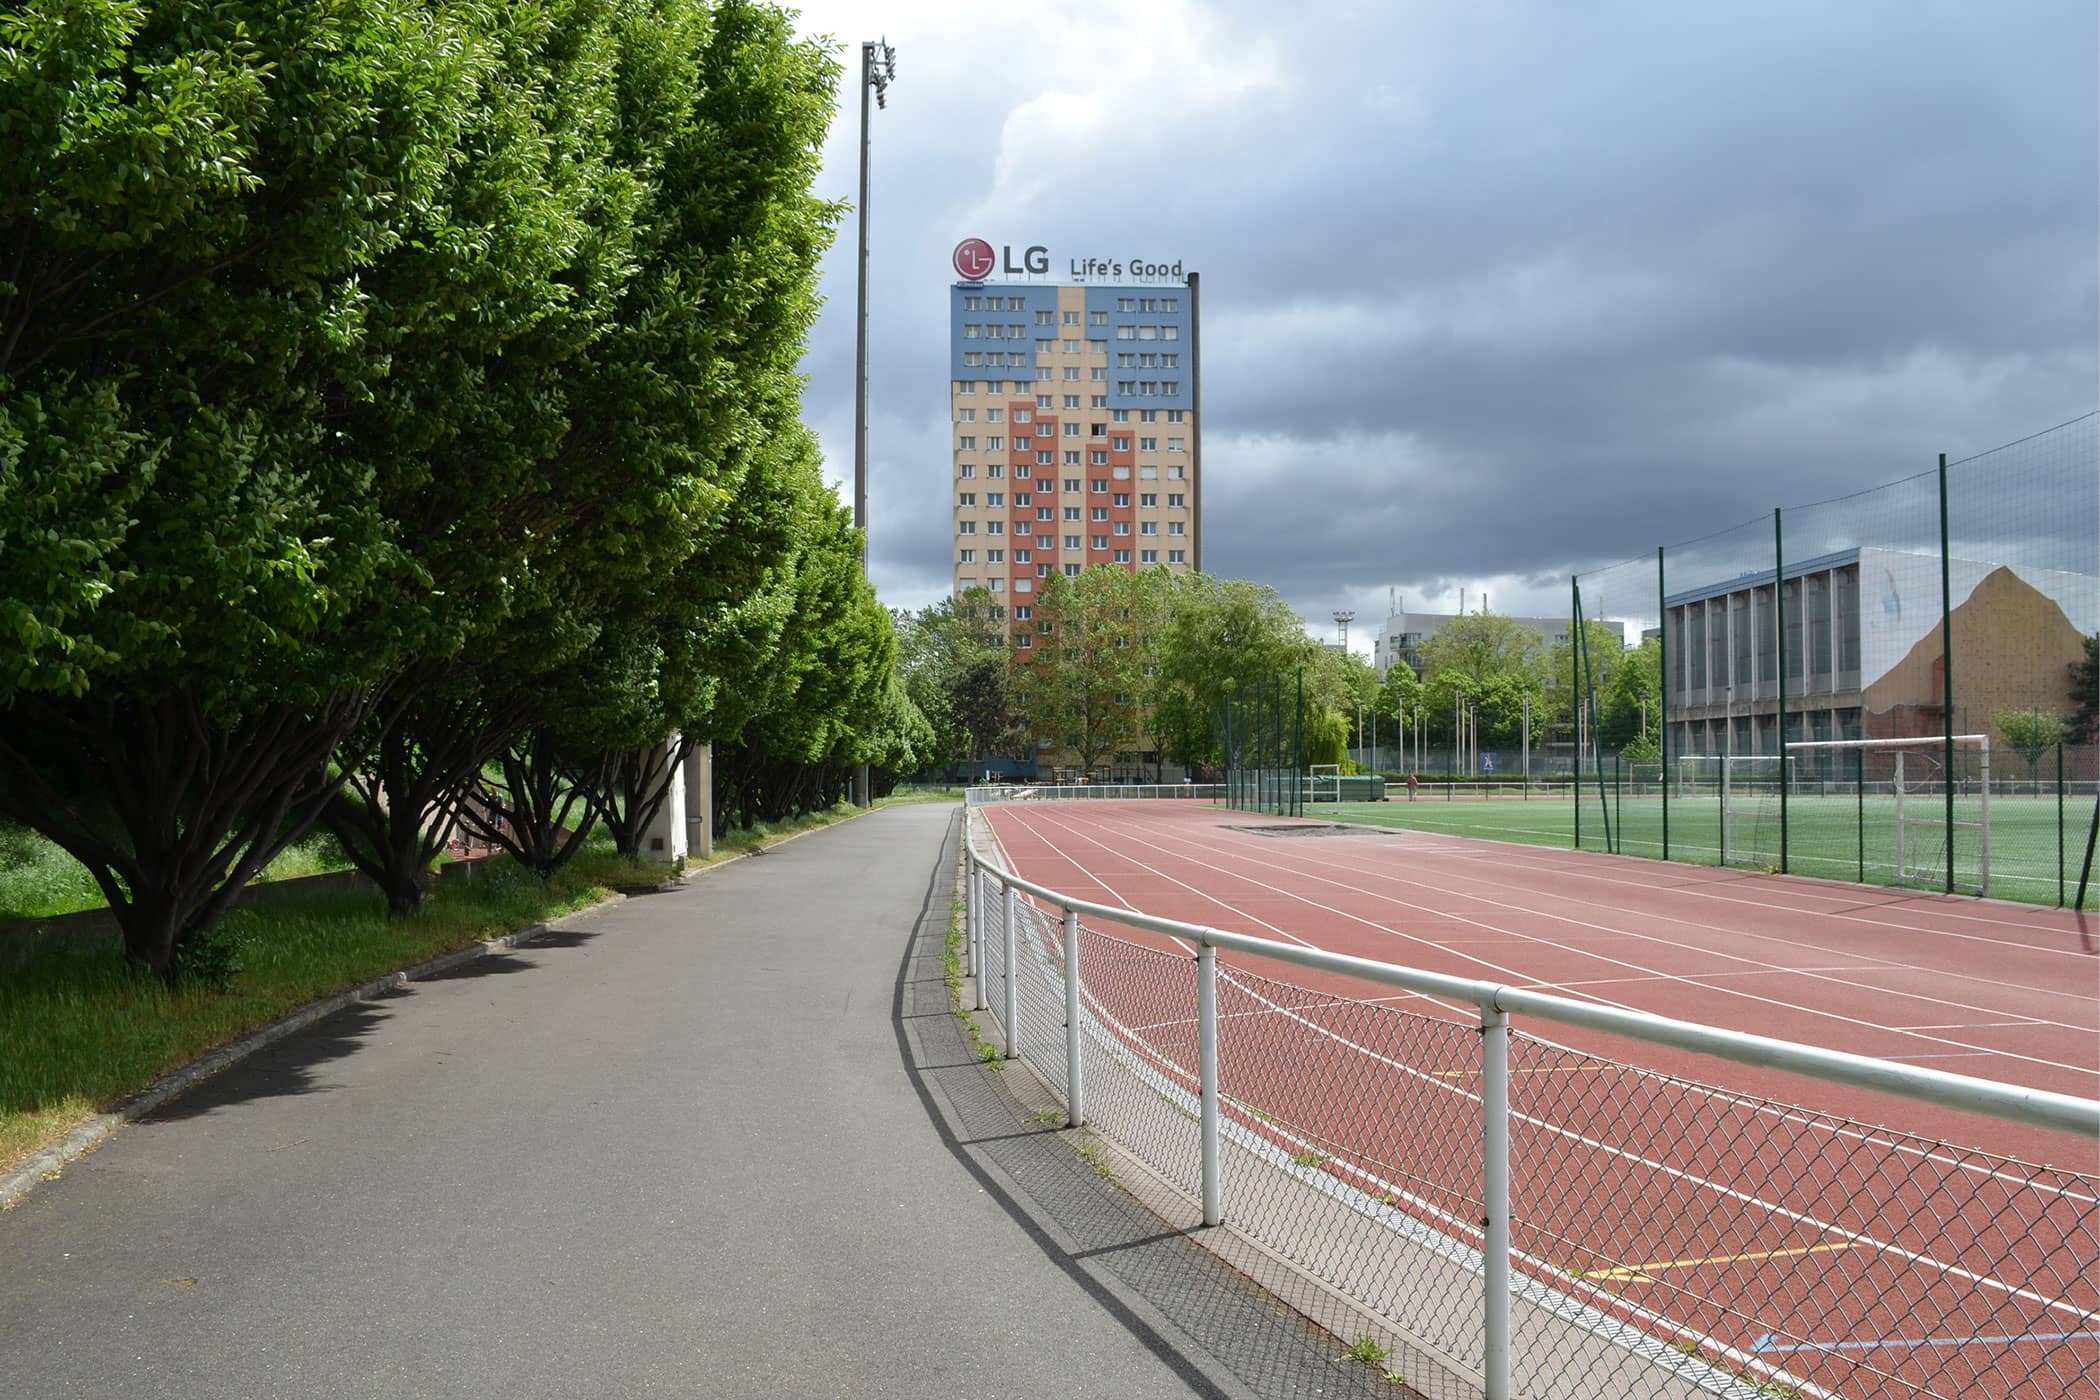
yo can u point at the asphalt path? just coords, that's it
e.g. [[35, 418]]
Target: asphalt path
[[725, 1141]]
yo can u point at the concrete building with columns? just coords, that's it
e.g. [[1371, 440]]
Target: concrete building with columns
[[1076, 422]]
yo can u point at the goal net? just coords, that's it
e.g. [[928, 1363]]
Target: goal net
[[1919, 823], [1750, 787], [1325, 783]]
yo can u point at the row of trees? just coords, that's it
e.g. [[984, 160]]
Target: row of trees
[[1109, 664], [394, 390]]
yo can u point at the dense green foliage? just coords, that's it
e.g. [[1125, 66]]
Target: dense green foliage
[[393, 386]]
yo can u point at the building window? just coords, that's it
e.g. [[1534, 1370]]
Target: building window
[[1176, 499], [990, 332], [1024, 556], [1043, 372], [995, 556], [1042, 571], [1071, 430], [1046, 318], [1148, 473], [1122, 557], [1046, 512], [972, 332], [995, 444], [1021, 415], [1023, 612], [1126, 332], [1046, 459], [1097, 459], [966, 498], [1099, 488], [1071, 401], [972, 357], [1146, 444], [1177, 556], [995, 498], [998, 527], [1122, 498], [1148, 332], [1126, 303], [1071, 541], [1071, 318], [1071, 459], [1121, 444], [1170, 332], [1148, 527], [966, 415], [1176, 473], [1122, 527], [1174, 415], [1170, 362], [994, 415], [1072, 570], [1023, 471], [966, 556], [1170, 388], [1024, 642], [1148, 499], [997, 585], [1100, 542], [965, 527], [1097, 318], [1170, 304], [1072, 372], [1127, 387], [1071, 483], [1176, 444], [1100, 513], [995, 471], [966, 444], [1148, 556], [973, 303], [1122, 361], [1174, 527], [1071, 512]]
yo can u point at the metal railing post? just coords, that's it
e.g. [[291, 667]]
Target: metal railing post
[[1494, 1198], [984, 899], [972, 875], [1013, 912], [1075, 1113], [1207, 1076]]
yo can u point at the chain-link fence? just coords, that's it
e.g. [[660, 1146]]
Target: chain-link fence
[[1661, 1236], [1847, 685]]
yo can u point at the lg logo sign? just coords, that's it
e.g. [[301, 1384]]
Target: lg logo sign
[[975, 261]]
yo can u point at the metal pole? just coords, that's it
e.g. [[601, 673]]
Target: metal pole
[[972, 877], [2059, 823], [1662, 595], [1207, 1077], [1013, 922], [984, 896], [1075, 1114], [1527, 744], [862, 791], [1779, 614], [1494, 1110], [1983, 832], [1947, 669]]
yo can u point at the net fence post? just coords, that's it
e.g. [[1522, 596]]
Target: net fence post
[[1075, 1101], [1983, 823], [1207, 1073], [1494, 1110], [1013, 919], [1947, 669], [973, 884], [1575, 693], [2059, 823], [1662, 697], [1779, 642]]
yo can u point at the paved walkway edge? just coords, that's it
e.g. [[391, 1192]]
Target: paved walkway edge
[[49, 1162]]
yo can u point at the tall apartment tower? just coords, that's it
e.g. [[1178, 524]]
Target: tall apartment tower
[[1077, 429]]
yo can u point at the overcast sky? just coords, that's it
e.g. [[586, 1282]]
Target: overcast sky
[[1492, 292]]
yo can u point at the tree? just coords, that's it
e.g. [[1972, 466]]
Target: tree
[[209, 212], [2031, 732], [1494, 663], [1081, 677], [1630, 701], [2082, 725], [1558, 694], [1213, 631]]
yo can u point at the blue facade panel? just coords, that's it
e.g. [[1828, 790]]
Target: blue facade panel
[[970, 305], [1148, 323]]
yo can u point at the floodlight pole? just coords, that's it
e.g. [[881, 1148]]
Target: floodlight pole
[[878, 68]]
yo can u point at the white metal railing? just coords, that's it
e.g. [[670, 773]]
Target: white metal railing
[[2060, 1290], [992, 794]]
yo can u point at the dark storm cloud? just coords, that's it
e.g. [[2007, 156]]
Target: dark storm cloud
[[1498, 292]]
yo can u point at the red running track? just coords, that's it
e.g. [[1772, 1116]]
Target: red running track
[[2000, 991]]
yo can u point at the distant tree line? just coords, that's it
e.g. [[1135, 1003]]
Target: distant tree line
[[398, 393]]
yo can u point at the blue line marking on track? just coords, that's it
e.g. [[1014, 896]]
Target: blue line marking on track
[[1766, 1345]]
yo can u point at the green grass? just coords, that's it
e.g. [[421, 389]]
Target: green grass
[[40, 881], [1823, 834], [81, 1030]]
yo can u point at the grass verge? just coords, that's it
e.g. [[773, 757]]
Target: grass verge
[[80, 1030]]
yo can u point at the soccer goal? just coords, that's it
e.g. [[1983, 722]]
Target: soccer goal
[[1940, 821], [1325, 783], [1751, 789], [1698, 775]]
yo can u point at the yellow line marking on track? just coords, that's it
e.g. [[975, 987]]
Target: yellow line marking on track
[[1639, 1273]]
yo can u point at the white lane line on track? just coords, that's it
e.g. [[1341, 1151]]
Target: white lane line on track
[[1694, 1179], [1247, 859], [1708, 883]]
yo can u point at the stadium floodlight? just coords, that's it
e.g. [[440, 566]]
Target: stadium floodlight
[[878, 69]]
